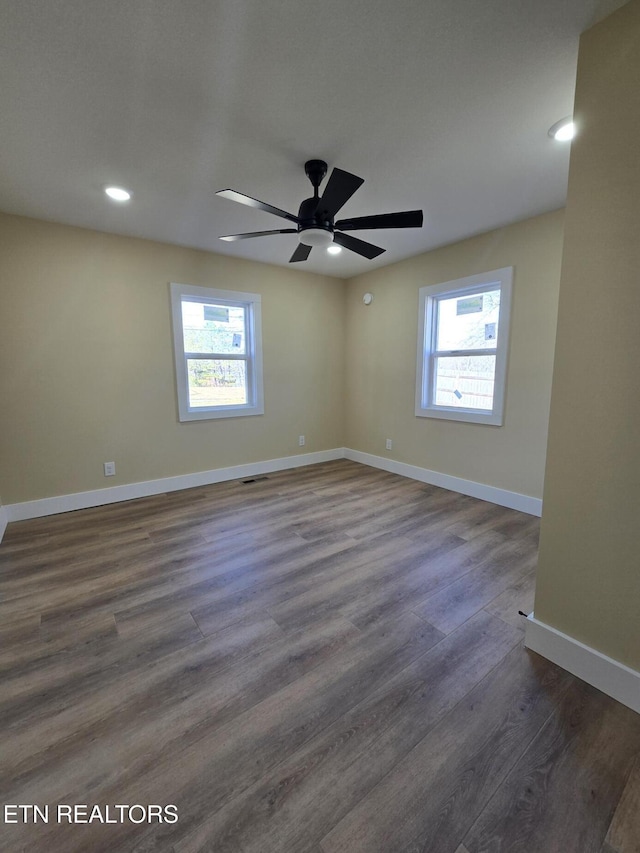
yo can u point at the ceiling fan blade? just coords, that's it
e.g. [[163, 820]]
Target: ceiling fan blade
[[367, 250], [253, 202], [339, 189], [406, 219], [301, 253], [233, 237]]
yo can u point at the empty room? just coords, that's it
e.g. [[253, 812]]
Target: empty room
[[319, 455]]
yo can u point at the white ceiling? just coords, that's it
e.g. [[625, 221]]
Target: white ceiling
[[442, 105]]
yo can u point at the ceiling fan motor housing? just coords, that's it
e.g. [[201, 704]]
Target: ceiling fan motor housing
[[313, 228]]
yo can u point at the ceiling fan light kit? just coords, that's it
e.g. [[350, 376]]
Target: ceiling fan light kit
[[315, 237], [316, 225]]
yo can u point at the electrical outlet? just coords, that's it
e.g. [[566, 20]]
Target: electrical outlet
[[109, 469], [388, 444], [301, 440]]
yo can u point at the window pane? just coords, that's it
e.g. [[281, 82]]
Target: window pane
[[468, 322], [214, 382], [465, 381], [208, 327]]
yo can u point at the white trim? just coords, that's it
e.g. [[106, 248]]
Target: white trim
[[251, 304], [99, 497], [502, 497], [429, 296], [612, 677], [4, 520]]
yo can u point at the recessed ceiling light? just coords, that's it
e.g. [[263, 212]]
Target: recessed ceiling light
[[563, 130], [334, 250], [118, 193]]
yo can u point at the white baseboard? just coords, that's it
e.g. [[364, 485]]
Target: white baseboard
[[609, 675], [99, 497], [502, 497], [4, 520]]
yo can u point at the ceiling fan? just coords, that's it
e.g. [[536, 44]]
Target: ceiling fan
[[315, 224]]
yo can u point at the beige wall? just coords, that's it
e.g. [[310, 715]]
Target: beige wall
[[381, 359], [87, 370], [589, 571], [87, 361]]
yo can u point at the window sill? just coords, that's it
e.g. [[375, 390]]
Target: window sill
[[202, 414], [463, 415]]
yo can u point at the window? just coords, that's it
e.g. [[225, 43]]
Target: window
[[462, 348], [218, 350]]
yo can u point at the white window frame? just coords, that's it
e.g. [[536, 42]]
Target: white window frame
[[428, 354], [251, 302]]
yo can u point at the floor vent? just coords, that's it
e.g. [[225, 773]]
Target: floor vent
[[255, 479]]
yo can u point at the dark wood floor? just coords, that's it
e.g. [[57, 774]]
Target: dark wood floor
[[328, 660]]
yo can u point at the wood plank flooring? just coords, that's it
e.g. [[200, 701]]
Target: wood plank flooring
[[327, 660]]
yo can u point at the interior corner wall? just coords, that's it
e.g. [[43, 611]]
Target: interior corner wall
[[588, 582], [381, 355], [87, 364], [3, 519]]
